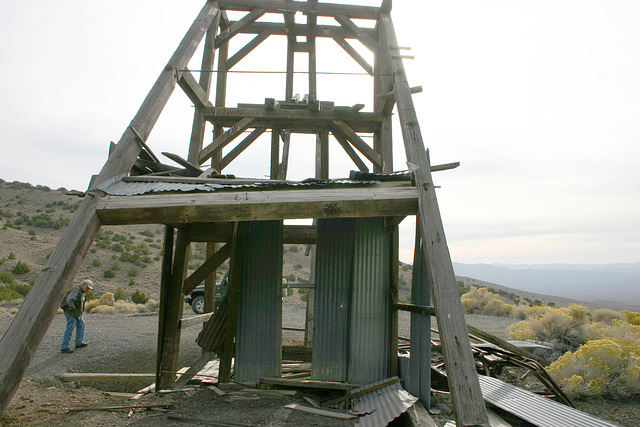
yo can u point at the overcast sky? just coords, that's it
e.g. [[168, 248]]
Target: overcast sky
[[538, 100]]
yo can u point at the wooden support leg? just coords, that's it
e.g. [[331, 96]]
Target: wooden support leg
[[172, 313], [165, 281]]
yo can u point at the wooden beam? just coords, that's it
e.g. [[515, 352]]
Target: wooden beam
[[184, 163], [235, 152], [209, 266], [224, 139], [187, 322], [165, 280], [387, 199], [313, 121], [322, 155], [354, 54], [237, 26], [367, 41], [221, 232], [324, 31], [344, 143], [363, 147], [246, 49], [193, 370], [325, 385], [463, 382], [284, 164], [320, 9], [192, 89], [22, 338]]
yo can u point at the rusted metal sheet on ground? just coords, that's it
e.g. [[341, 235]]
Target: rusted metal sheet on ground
[[381, 406], [535, 409], [370, 306], [259, 323], [334, 265]]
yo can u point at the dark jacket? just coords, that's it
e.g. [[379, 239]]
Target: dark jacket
[[73, 302]]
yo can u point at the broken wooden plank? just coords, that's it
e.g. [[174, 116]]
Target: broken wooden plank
[[78, 376], [184, 163], [331, 385], [323, 412], [419, 416], [506, 345], [186, 322], [349, 396], [192, 89], [193, 370], [113, 408]]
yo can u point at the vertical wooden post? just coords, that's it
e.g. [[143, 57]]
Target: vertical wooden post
[[463, 381], [312, 19], [233, 292], [165, 282], [173, 313], [210, 281], [275, 153], [382, 138], [221, 100]]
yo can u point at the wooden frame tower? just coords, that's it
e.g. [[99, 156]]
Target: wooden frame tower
[[214, 217]]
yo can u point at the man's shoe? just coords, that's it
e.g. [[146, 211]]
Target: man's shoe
[[84, 344], [66, 350]]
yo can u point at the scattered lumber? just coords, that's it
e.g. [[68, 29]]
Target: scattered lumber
[[207, 422], [113, 408], [77, 376], [330, 385], [323, 412]]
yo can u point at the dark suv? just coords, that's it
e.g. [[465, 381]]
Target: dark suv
[[196, 297]]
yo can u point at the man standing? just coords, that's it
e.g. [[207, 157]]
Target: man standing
[[73, 306]]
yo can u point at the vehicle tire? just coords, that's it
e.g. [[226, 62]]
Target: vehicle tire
[[198, 305]]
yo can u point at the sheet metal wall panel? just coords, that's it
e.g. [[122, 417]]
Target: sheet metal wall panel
[[333, 276], [419, 375], [259, 323], [370, 303]]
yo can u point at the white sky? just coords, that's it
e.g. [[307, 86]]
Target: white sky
[[538, 100]]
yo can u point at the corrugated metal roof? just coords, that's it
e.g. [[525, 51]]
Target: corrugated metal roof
[[535, 409], [383, 405], [133, 185]]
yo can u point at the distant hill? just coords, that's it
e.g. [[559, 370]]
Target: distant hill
[[609, 285]]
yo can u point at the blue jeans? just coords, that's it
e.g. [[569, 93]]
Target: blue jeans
[[76, 323]]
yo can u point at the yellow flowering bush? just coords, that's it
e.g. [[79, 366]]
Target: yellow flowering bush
[[632, 317], [602, 367], [482, 301]]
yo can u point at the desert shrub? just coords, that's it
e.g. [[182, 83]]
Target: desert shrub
[[615, 329], [89, 295], [119, 294], [8, 294], [116, 266], [289, 292], [497, 307], [23, 290], [632, 317], [109, 274], [519, 312], [607, 315], [103, 309], [293, 248], [298, 267], [20, 268], [139, 297], [604, 367], [535, 310], [125, 307], [133, 272], [97, 263], [107, 299], [152, 305], [6, 277], [472, 305], [482, 301], [148, 233], [11, 256]]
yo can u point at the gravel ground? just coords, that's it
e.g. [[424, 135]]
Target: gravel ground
[[123, 344]]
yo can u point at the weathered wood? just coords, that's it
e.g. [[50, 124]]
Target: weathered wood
[[284, 163], [192, 89], [323, 412], [247, 48], [363, 147], [193, 370], [349, 396], [320, 9], [380, 200], [165, 280], [78, 376], [419, 416], [113, 408], [222, 232], [346, 146], [463, 381], [210, 265], [19, 343], [203, 421], [303, 120], [322, 155], [416, 308], [237, 26], [367, 41], [275, 153], [231, 302], [506, 345], [173, 305], [224, 139], [182, 162], [324, 31], [354, 54], [186, 322], [330, 385]]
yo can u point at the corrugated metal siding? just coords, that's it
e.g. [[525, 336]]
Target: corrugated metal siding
[[419, 377], [333, 272], [381, 406], [259, 323], [535, 409], [370, 329]]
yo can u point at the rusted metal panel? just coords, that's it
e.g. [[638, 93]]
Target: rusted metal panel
[[381, 406], [333, 277], [259, 322], [535, 409], [370, 303]]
